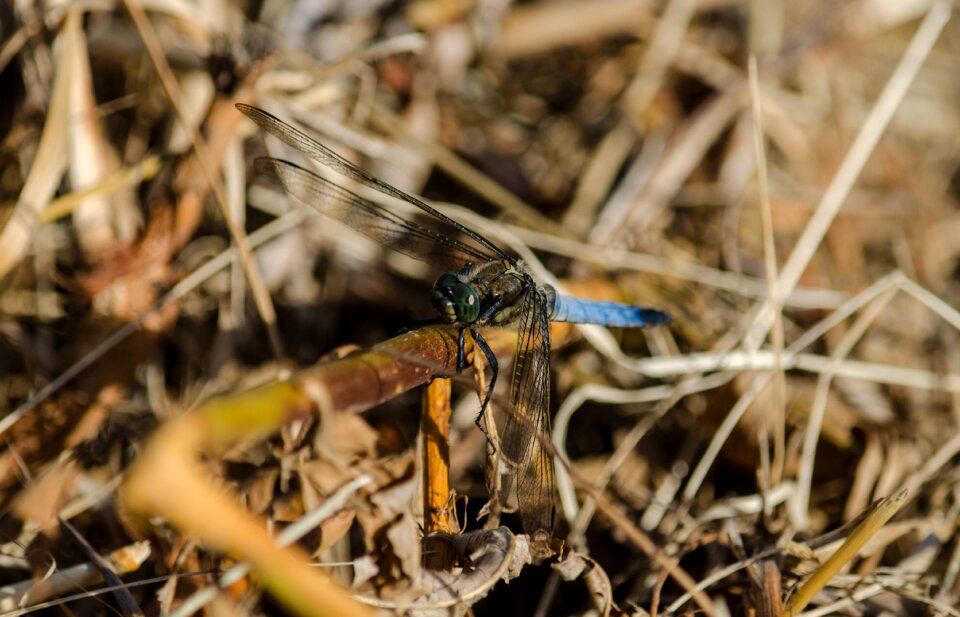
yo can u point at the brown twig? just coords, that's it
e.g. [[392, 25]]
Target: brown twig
[[435, 430], [351, 384]]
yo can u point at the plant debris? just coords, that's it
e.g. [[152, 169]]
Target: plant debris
[[215, 388]]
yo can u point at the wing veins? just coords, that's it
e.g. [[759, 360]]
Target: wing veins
[[530, 398], [371, 218], [320, 153]]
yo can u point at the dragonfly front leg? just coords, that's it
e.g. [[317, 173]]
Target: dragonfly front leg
[[461, 355], [502, 306], [494, 371]]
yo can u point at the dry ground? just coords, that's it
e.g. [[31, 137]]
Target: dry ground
[[782, 177]]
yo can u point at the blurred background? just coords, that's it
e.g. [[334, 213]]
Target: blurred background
[[804, 235]]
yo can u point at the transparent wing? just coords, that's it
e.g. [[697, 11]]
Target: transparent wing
[[530, 415], [435, 246], [375, 221]]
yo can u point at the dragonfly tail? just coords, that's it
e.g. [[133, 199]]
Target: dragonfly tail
[[614, 314]]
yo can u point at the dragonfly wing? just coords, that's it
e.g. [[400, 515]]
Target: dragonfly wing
[[320, 153], [372, 219], [530, 416]]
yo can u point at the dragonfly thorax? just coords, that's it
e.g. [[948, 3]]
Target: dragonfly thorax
[[456, 299]]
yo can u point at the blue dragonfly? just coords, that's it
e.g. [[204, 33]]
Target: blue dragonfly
[[481, 286]]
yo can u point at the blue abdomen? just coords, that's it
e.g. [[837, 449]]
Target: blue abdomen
[[614, 314]]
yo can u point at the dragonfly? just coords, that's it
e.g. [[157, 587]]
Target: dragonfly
[[481, 285]]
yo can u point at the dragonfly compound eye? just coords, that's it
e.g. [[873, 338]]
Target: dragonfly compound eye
[[456, 300]]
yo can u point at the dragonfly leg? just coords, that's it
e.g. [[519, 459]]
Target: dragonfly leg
[[461, 355], [494, 370], [501, 308], [492, 308]]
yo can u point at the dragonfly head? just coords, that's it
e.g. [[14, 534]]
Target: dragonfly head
[[455, 299]]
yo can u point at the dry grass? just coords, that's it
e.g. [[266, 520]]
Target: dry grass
[[783, 178]]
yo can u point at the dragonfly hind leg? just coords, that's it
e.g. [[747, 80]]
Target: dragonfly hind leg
[[494, 371], [480, 343]]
